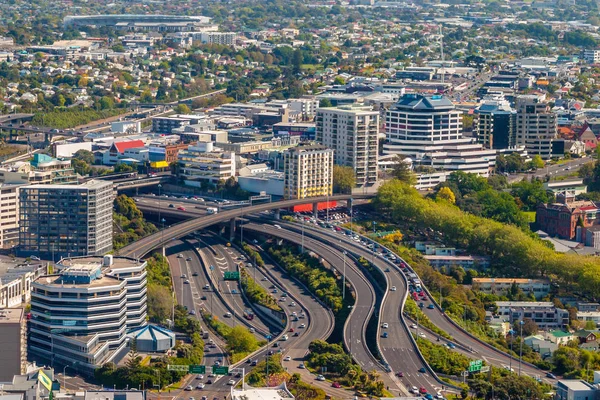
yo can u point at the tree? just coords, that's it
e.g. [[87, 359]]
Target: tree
[[402, 170], [344, 179], [240, 340], [446, 194], [537, 162], [85, 156], [467, 182], [182, 109], [586, 172], [106, 103], [160, 303], [325, 103], [339, 81], [530, 194]]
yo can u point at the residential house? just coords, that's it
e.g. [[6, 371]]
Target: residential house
[[559, 337], [587, 136]]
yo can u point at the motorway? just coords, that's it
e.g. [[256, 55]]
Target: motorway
[[481, 351], [356, 324], [398, 348]]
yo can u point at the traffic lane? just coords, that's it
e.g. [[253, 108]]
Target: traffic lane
[[365, 295], [402, 355]]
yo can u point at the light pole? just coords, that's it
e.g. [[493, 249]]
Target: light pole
[[512, 336], [162, 233], [303, 220], [159, 187], [344, 278], [521, 323], [373, 244]]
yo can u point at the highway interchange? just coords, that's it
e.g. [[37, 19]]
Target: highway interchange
[[398, 349]]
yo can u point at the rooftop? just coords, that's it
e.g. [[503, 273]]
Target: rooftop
[[117, 263], [575, 384], [11, 315], [509, 280], [274, 393], [89, 185], [418, 102], [524, 304], [57, 281]]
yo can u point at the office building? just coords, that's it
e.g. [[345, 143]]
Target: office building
[[544, 313], [13, 343], [205, 164], [66, 220], [419, 124], [536, 125], [42, 169], [351, 131], [308, 171], [494, 125], [82, 313], [16, 279], [9, 215], [591, 56], [501, 286]]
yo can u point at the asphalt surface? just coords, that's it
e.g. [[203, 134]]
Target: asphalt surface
[[355, 328], [489, 354]]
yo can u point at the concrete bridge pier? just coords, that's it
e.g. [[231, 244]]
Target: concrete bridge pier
[[277, 213], [231, 229], [315, 210]]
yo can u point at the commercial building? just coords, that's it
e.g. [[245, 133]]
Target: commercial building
[[9, 215], [575, 389], [569, 188], [141, 22], [419, 124], [352, 132], [16, 279], [536, 126], [83, 313], [308, 171], [591, 56], [544, 313], [152, 339], [13, 343], [494, 125], [205, 164], [465, 262], [561, 219], [500, 286], [305, 130], [248, 392], [65, 220], [42, 169]]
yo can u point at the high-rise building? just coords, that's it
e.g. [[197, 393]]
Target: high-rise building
[[419, 124], [308, 171], [13, 343], [205, 164], [494, 123], [351, 131], [536, 127], [9, 209], [82, 313], [42, 169], [66, 220]]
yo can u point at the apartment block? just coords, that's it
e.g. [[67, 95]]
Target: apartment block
[[591, 56], [66, 220], [352, 132], [500, 286], [536, 126], [544, 313], [9, 215], [42, 169], [494, 125], [308, 171], [82, 313], [225, 38], [13, 343], [205, 164]]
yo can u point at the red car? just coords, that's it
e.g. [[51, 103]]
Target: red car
[[336, 385], [400, 374], [422, 390], [181, 208], [291, 329]]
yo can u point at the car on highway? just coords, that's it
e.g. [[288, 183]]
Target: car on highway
[[193, 312], [287, 358], [209, 382], [203, 298], [422, 390], [189, 388], [385, 335], [200, 377], [179, 255], [302, 326], [393, 288], [431, 306], [228, 314], [414, 326], [184, 276], [181, 208], [264, 279], [414, 390], [422, 335], [200, 386], [428, 396], [231, 382], [206, 287], [292, 304], [385, 325], [301, 366], [550, 375], [422, 370], [320, 378], [195, 274], [451, 346], [253, 363], [171, 205], [296, 334], [187, 281], [387, 269], [400, 374], [270, 352], [252, 330], [188, 259], [336, 385]]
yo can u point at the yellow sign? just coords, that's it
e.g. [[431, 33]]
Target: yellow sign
[[44, 380], [159, 164]]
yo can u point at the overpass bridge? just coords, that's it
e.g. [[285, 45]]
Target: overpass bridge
[[149, 243]]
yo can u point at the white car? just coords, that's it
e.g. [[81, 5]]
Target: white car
[[301, 366], [413, 326], [414, 390], [385, 325], [231, 382], [302, 326], [287, 358], [227, 314], [393, 288], [200, 386], [179, 255], [422, 335], [320, 378], [189, 388], [199, 376]]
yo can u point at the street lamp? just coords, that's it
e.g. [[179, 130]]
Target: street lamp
[[512, 336], [344, 278], [303, 220], [65, 373], [521, 323], [159, 187], [162, 233]]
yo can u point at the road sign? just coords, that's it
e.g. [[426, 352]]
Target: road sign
[[475, 366], [231, 276], [485, 369], [180, 368], [222, 370], [197, 369], [465, 373]]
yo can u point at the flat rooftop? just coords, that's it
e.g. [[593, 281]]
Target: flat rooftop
[[11, 315], [524, 304], [575, 384], [117, 263], [278, 393], [510, 280], [56, 281]]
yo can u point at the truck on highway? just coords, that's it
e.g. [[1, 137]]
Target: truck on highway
[[211, 210]]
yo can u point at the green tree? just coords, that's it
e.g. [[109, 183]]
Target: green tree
[[537, 162], [85, 156], [160, 303], [402, 171], [530, 194], [468, 183], [182, 109], [446, 194], [325, 103], [240, 340], [106, 103], [344, 179]]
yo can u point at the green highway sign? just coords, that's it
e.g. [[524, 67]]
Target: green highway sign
[[197, 369], [475, 366], [231, 276], [223, 370], [180, 368]]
